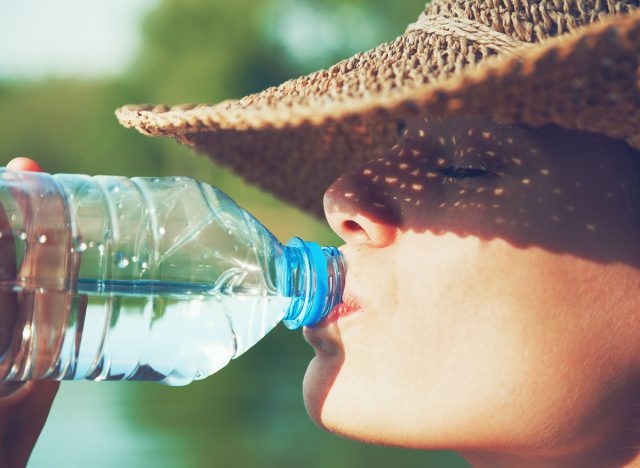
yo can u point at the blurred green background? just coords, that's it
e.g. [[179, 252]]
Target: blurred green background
[[64, 67]]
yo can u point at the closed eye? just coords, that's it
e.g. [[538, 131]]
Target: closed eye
[[463, 172]]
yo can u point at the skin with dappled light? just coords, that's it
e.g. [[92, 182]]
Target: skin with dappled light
[[491, 301]]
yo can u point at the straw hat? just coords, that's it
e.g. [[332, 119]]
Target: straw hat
[[574, 63]]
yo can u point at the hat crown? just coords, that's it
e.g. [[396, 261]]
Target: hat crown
[[531, 20]]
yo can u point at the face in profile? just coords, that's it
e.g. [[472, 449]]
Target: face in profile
[[487, 300]]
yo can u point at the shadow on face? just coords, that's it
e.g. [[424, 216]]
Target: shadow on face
[[561, 190]]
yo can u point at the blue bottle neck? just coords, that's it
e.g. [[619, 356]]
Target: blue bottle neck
[[313, 277]]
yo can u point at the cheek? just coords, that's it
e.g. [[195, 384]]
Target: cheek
[[462, 346]]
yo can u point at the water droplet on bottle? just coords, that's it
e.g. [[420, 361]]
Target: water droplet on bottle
[[42, 238], [121, 260], [144, 265], [23, 235], [230, 232], [161, 231], [119, 205], [78, 245], [92, 244], [135, 259], [101, 248], [115, 189], [156, 180], [13, 217], [199, 375]]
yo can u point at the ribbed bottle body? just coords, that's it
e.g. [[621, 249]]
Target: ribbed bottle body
[[138, 279]]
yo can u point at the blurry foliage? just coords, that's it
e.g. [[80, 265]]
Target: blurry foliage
[[251, 413]]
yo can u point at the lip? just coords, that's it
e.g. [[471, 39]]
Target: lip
[[345, 308], [324, 336]]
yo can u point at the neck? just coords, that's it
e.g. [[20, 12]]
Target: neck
[[618, 449]]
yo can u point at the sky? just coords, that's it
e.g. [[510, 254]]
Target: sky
[[68, 38]]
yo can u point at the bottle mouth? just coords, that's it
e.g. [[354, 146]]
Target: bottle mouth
[[315, 279]]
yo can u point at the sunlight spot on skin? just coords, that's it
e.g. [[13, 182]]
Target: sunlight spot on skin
[[415, 172], [510, 141], [517, 161], [407, 199], [480, 190], [330, 190], [442, 205], [470, 132], [403, 185], [431, 175], [498, 191], [395, 198], [387, 164], [426, 120], [394, 148], [416, 187], [421, 133], [441, 162], [401, 153], [441, 140], [486, 135], [418, 203], [544, 172], [348, 195], [490, 153], [379, 205], [403, 166], [526, 181], [335, 207], [557, 191], [457, 203], [415, 152], [590, 227], [555, 218], [462, 192], [367, 172], [453, 140], [380, 159], [376, 178]]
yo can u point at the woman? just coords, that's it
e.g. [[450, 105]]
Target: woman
[[483, 170]]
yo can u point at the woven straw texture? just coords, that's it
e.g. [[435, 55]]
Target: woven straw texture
[[522, 62]]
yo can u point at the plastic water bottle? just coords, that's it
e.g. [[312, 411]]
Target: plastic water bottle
[[159, 279]]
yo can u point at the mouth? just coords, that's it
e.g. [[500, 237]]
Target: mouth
[[324, 336], [347, 307]]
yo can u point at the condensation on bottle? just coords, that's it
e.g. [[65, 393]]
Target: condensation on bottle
[[156, 279]]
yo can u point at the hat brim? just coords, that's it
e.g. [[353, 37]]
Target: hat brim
[[587, 80]]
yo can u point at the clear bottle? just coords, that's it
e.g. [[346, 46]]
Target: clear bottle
[[159, 279]]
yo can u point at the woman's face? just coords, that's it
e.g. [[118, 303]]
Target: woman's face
[[487, 299]]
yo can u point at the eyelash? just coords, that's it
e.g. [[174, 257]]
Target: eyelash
[[453, 172]]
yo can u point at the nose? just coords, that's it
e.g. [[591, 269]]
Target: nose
[[348, 216]]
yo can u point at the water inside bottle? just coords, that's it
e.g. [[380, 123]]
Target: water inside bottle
[[137, 330]]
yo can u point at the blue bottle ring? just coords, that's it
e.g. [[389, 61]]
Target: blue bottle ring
[[317, 285]]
